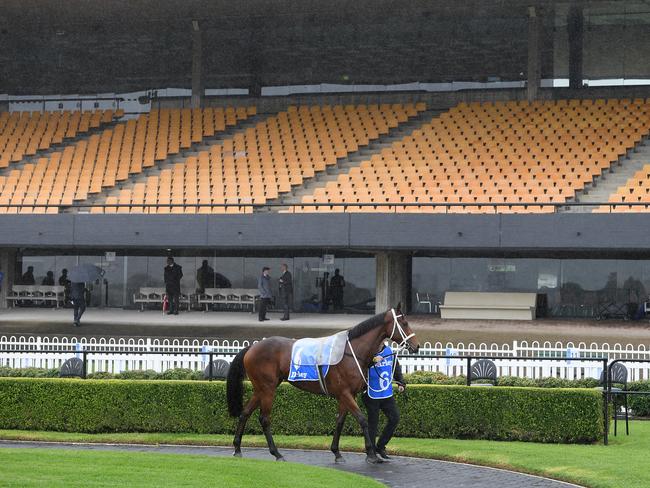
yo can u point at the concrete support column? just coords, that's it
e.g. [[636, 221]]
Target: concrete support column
[[198, 90], [8, 268], [534, 54], [393, 281], [575, 28]]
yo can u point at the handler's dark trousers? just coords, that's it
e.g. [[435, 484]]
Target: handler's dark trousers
[[389, 407], [79, 308], [287, 299], [263, 304], [174, 301]]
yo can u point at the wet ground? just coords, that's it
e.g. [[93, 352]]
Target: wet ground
[[399, 472]]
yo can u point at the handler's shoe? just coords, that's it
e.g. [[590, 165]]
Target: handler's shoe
[[382, 454]]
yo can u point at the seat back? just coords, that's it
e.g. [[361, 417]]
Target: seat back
[[483, 369], [72, 367], [618, 375]]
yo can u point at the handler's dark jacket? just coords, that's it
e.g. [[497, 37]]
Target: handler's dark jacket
[[286, 284], [173, 275]]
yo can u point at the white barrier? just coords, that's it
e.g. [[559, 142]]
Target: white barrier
[[116, 360]]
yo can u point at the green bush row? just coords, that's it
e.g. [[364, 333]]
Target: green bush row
[[419, 377], [639, 404], [502, 413], [138, 374], [435, 378]]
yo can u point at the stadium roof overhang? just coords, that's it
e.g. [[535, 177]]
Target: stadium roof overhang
[[82, 46]]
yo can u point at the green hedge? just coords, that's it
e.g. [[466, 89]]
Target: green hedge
[[435, 378], [639, 404], [419, 377], [503, 413]]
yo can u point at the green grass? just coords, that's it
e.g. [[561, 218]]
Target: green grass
[[622, 463], [65, 468]]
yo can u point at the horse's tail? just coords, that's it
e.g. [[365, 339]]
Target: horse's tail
[[235, 384]]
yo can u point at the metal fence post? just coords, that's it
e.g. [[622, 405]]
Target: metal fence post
[[469, 371], [85, 363], [210, 366], [606, 402]]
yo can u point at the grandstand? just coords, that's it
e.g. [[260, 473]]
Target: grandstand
[[422, 159], [517, 154]]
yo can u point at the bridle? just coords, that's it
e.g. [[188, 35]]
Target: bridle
[[398, 326], [402, 345]]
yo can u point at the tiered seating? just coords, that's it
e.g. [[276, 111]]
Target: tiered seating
[[267, 160], [24, 133], [636, 190], [510, 153], [101, 160]]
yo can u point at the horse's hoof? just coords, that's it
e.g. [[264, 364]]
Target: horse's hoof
[[374, 460], [237, 454], [339, 460], [281, 459]]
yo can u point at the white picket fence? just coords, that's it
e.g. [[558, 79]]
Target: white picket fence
[[117, 355], [122, 355]]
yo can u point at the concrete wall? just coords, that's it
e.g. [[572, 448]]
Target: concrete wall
[[434, 100], [124, 45], [617, 50], [257, 233]]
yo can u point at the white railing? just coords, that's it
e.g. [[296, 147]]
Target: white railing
[[117, 355], [562, 368], [117, 360]]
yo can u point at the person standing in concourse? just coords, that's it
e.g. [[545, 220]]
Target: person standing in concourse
[[286, 290], [264, 289], [173, 275]]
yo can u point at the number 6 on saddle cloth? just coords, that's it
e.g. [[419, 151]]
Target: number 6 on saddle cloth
[[311, 358]]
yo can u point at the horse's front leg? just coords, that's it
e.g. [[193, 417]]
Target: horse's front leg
[[349, 402], [340, 421]]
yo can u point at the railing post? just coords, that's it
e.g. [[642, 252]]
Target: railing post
[[85, 364], [210, 366], [606, 402], [469, 371]]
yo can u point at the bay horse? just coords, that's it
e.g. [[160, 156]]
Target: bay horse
[[267, 363]]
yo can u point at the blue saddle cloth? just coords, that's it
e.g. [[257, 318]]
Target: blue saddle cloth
[[308, 354], [306, 373]]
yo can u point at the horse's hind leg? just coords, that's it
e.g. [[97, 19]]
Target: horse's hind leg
[[266, 402], [243, 418], [340, 421]]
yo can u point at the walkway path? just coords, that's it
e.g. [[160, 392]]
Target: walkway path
[[115, 322], [400, 472]]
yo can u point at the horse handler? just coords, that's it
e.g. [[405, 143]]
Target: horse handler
[[379, 396]]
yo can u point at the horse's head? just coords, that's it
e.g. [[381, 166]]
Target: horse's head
[[401, 330]]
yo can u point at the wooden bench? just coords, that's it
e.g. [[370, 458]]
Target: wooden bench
[[488, 305], [37, 294], [235, 297], [149, 295]]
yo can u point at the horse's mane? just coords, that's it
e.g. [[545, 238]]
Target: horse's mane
[[366, 325]]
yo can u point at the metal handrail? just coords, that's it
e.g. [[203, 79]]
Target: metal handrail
[[345, 205]]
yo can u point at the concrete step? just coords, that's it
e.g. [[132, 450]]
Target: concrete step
[[619, 174]]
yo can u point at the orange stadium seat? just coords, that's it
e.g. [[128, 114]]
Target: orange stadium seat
[[513, 153], [100, 161]]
